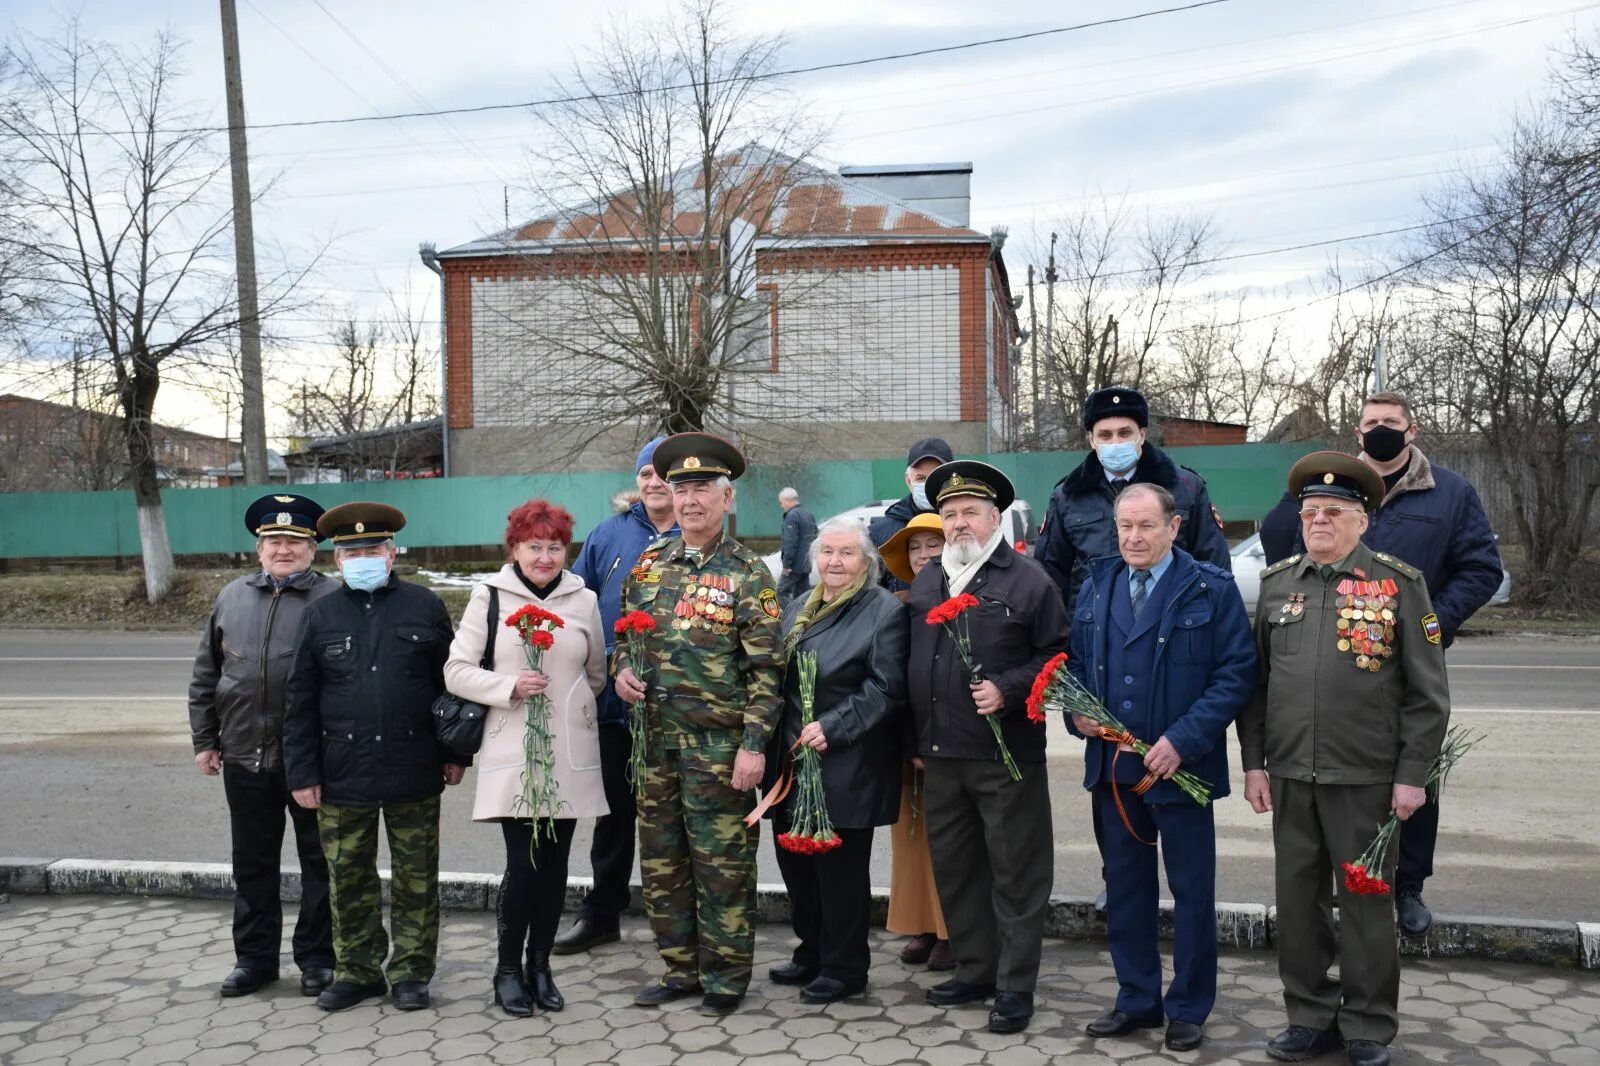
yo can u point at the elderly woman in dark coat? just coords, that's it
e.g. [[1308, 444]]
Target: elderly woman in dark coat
[[859, 633]]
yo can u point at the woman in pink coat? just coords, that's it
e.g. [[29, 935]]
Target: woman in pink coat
[[573, 671]]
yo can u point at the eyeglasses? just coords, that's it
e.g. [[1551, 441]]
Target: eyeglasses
[[1332, 511]]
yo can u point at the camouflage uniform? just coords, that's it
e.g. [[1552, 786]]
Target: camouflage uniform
[[713, 682], [350, 840]]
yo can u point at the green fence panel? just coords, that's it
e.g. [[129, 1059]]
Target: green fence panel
[[1245, 481]]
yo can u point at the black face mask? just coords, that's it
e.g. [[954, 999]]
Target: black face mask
[[1384, 443]]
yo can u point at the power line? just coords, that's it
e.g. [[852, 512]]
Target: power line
[[736, 79]]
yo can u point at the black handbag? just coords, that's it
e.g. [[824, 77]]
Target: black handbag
[[458, 723]]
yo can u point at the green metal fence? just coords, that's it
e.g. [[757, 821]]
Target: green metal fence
[[1245, 481]]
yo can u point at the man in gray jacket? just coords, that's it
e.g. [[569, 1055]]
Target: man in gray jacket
[[236, 701]]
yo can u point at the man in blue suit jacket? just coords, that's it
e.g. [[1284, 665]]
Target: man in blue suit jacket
[[1163, 641]]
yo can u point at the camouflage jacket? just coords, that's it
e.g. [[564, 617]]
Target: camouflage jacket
[[715, 660]]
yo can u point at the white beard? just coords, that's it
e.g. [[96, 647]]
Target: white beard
[[964, 553]]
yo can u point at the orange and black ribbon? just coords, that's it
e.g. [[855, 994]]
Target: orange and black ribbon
[[1120, 738]]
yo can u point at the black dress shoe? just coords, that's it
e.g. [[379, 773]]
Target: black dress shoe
[[831, 990], [313, 979], [656, 995], [544, 985], [791, 973], [586, 933], [243, 980], [1415, 918], [342, 995], [1299, 1042], [410, 995], [1011, 1012], [1366, 1053], [511, 992], [1117, 1023], [953, 993], [1184, 1036], [717, 1004]]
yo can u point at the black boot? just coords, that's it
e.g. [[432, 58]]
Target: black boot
[[544, 985], [511, 992]]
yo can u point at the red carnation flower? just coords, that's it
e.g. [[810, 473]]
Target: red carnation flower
[[530, 614], [542, 639], [635, 622], [1041, 687]]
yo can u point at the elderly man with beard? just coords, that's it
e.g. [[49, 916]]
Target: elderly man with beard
[[990, 832]]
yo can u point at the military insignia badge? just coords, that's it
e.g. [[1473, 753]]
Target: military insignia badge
[[361, 527], [769, 602], [1430, 628], [691, 462], [284, 499], [285, 518], [1216, 516]]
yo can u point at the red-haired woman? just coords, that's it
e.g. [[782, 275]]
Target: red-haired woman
[[573, 671]]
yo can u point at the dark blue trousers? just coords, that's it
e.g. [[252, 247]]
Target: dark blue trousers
[[1188, 840]]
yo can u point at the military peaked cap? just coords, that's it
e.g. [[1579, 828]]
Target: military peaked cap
[[284, 514]]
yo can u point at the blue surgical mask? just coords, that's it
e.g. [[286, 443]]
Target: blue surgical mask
[[365, 574], [919, 496], [1120, 457]]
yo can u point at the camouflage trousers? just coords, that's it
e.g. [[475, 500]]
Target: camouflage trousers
[[350, 842], [698, 859]]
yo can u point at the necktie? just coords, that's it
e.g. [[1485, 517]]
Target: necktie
[[1141, 590], [1117, 485], [1326, 571]]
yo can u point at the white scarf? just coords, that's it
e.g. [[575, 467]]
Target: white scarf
[[960, 576]]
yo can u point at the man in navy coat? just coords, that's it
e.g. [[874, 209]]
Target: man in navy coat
[[1163, 641]]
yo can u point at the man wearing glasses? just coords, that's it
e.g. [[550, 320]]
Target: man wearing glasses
[[1350, 708], [1432, 518]]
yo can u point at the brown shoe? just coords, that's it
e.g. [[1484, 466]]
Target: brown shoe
[[941, 957], [918, 948]]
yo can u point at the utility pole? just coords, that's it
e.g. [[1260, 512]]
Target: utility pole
[[252, 413], [1049, 312]]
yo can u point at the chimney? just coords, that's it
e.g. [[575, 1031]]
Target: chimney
[[941, 189]]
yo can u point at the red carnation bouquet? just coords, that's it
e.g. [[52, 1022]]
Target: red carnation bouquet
[[540, 790], [810, 829], [1055, 689], [1364, 877], [631, 630], [952, 615]]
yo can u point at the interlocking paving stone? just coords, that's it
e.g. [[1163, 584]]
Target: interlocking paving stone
[[125, 979]]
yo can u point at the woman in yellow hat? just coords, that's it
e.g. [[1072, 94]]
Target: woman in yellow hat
[[913, 899]]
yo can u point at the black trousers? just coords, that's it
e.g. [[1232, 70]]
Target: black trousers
[[611, 850], [830, 904], [528, 907], [993, 860], [257, 806], [1418, 836]]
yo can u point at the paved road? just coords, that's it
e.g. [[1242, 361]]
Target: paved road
[[134, 981], [96, 763]]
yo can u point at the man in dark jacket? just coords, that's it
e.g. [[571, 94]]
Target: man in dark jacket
[[236, 700], [608, 554], [1080, 525], [358, 740], [988, 825], [1164, 642], [1432, 519], [921, 460], [799, 530]]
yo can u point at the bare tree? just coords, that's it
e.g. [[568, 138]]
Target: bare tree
[[682, 149], [118, 181], [1121, 291], [1509, 310], [1219, 371]]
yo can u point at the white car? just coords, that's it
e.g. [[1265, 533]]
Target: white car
[[1249, 559], [1017, 520]]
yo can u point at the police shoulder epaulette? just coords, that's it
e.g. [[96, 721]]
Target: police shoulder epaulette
[[1213, 569], [1281, 564], [1404, 568]]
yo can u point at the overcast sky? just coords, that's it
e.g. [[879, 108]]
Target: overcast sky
[[1286, 121]]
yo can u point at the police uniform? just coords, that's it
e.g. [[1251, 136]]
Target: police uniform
[[367, 668], [1352, 700], [714, 669]]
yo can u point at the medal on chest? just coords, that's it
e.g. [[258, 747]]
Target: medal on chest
[[1366, 621], [704, 602]]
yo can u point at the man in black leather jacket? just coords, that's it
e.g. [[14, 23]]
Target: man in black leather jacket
[[236, 722]]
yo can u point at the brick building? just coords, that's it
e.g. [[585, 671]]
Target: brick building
[[887, 318], [55, 447]]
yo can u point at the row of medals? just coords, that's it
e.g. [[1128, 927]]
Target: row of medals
[[1366, 627], [706, 603]]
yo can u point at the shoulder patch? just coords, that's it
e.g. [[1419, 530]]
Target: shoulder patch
[[1404, 568], [1430, 628], [769, 602], [1216, 516], [1281, 564]]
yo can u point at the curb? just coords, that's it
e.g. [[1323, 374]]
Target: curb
[[1249, 926]]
